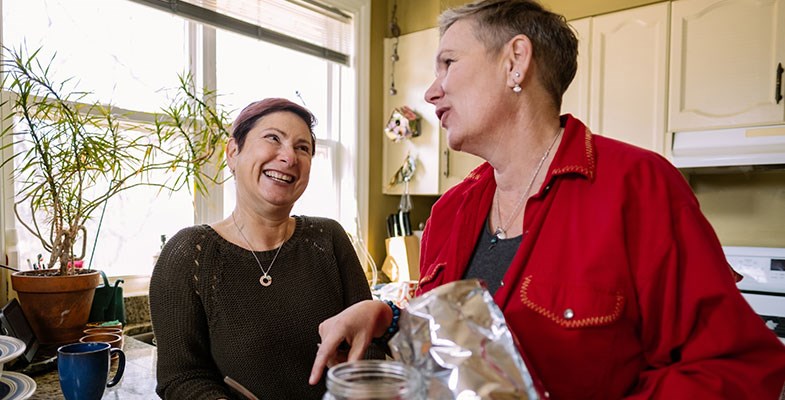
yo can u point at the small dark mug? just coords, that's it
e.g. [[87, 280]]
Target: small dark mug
[[84, 369]]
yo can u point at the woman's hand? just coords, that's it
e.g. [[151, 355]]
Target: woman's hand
[[356, 326]]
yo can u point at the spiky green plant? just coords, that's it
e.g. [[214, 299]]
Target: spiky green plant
[[70, 156]]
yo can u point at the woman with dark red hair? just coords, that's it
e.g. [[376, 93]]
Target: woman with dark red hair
[[243, 297]]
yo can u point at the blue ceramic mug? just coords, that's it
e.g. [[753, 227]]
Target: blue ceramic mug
[[84, 369]]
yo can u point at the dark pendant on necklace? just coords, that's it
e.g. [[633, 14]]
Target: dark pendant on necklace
[[498, 234], [494, 240]]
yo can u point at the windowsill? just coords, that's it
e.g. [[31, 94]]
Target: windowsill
[[133, 285]]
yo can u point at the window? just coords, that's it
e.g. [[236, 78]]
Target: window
[[101, 45], [108, 46], [130, 227], [93, 45], [244, 74]]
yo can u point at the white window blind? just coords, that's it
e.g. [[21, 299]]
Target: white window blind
[[302, 25]]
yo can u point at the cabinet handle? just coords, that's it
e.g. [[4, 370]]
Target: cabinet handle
[[778, 90], [446, 164]]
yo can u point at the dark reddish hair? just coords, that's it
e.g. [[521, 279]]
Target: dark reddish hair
[[258, 109]]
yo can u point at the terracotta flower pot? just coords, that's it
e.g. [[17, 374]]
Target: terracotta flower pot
[[113, 339], [117, 325], [93, 331], [57, 307]]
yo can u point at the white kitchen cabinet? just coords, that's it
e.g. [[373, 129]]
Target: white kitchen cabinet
[[437, 167], [724, 59], [629, 75], [456, 165], [575, 100]]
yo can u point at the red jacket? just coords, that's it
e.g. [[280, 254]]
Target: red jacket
[[620, 287]]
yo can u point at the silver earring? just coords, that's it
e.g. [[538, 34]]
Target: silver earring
[[517, 87]]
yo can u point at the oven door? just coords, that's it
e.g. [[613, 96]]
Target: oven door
[[763, 285]]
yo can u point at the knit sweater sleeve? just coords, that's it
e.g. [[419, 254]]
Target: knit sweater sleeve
[[354, 281], [186, 369]]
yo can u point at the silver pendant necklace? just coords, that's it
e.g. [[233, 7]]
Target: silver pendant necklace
[[266, 279], [501, 231]]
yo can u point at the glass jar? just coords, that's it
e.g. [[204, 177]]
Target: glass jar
[[374, 380]]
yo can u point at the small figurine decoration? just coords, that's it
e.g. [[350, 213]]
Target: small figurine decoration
[[404, 123], [404, 174]]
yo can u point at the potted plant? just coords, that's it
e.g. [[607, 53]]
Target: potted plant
[[71, 156]]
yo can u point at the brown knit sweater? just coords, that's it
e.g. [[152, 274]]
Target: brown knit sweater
[[212, 318]]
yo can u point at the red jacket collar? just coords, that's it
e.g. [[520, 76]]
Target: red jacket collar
[[576, 154], [466, 204]]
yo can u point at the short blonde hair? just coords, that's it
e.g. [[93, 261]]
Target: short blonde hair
[[555, 46]]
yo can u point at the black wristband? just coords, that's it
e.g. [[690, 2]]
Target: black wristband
[[393, 328]]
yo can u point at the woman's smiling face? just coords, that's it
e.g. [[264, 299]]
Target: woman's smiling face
[[274, 164]]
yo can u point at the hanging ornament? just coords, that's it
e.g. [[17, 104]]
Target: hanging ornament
[[404, 123], [395, 30]]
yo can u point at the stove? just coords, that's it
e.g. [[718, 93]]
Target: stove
[[763, 285]]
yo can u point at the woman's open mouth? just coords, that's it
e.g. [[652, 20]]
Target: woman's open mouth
[[279, 176]]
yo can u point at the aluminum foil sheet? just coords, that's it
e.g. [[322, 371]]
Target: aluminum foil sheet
[[456, 336]]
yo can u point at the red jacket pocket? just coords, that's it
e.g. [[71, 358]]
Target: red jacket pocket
[[572, 305], [431, 278]]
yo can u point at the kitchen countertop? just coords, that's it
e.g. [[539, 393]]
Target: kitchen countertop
[[138, 382]]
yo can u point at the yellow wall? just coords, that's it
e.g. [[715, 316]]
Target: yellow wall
[[377, 202], [746, 209], [416, 15], [572, 9]]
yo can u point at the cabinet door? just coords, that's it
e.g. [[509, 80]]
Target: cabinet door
[[576, 99], [437, 167], [724, 57], [629, 67], [456, 165], [414, 72]]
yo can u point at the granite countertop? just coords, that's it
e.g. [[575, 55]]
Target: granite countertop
[[138, 382]]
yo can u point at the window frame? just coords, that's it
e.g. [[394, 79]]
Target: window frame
[[351, 157]]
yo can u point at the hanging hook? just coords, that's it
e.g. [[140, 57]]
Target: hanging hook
[[395, 30]]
